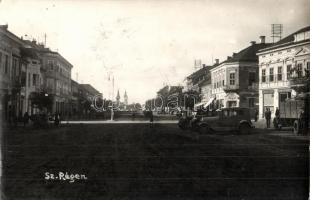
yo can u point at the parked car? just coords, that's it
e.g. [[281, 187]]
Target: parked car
[[227, 119]]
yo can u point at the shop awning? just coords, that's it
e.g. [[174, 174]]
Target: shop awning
[[209, 102]]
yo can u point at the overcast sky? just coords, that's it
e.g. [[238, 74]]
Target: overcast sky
[[145, 44]]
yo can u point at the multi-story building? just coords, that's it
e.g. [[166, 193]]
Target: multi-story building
[[75, 108], [10, 73], [56, 75], [32, 79], [87, 93], [235, 81], [276, 63]]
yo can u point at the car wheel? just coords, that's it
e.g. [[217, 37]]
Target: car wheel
[[244, 129], [204, 129]]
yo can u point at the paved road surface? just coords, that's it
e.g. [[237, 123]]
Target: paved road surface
[[135, 161]]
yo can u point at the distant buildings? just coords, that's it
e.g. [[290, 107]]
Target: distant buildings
[[288, 58], [35, 79]]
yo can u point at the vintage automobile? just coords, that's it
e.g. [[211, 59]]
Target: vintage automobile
[[227, 119]]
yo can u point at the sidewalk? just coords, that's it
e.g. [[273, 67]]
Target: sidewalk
[[285, 132]]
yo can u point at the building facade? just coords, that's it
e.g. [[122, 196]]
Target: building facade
[[10, 74], [57, 80], [235, 81], [277, 64]]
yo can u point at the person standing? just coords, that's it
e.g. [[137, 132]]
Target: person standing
[[26, 118], [256, 115], [56, 122], [151, 118], [268, 117]]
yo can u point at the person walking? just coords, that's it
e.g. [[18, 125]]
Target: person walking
[[26, 118], [256, 115], [56, 122], [268, 117], [151, 118]]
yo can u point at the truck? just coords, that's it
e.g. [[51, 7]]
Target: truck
[[292, 113]]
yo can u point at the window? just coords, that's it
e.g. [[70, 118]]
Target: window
[[50, 64], [34, 80], [279, 74], [223, 82], [0, 60], [29, 79], [307, 70], [299, 70], [252, 78], [284, 96], [214, 86], [263, 75], [15, 67], [232, 78], [6, 64], [288, 71], [271, 74], [251, 102]]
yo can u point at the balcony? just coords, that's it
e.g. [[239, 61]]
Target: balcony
[[230, 88]]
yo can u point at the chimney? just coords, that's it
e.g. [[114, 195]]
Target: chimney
[[262, 39], [253, 42], [203, 65], [234, 54], [217, 61], [228, 57]]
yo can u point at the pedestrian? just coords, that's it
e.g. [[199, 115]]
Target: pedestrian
[[256, 115], [151, 118], [56, 121], [277, 113], [268, 117], [26, 118]]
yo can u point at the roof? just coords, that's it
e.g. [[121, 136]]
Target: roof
[[248, 54], [89, 88], [288, 40], [29, 52], [42, 49], [203, 72]]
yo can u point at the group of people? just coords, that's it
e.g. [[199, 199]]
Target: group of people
[[268, 116], [35, 118]]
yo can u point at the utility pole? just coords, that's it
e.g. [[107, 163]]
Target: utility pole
[[112, 111], [45, 39]]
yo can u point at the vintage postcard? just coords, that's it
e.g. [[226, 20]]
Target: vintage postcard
[[154, 99]]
